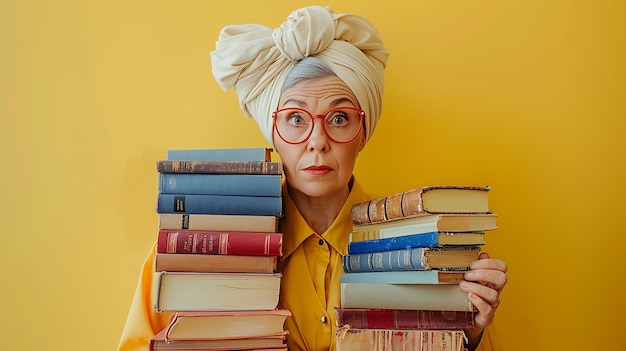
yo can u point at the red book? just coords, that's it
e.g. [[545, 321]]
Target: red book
[[364, 318], [220, 243]]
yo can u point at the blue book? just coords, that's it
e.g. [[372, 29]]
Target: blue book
[[220, 204], [220, 184], [431, 239], [404, 277], [234, 154], [415, 259]]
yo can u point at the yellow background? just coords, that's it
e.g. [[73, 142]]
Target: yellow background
[[525, 96]]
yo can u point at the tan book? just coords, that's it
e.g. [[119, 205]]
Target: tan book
[[423, 200], [191, 291], [350, 339], [173, 262], [273, 343], [213, 325], [218, 222]]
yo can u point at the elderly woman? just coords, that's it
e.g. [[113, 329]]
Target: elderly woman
[[314, 85]]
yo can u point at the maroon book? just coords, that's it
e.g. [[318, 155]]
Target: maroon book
[[364, 318], [219, 243]]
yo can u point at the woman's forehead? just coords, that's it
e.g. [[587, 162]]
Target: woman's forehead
[[321, 90]]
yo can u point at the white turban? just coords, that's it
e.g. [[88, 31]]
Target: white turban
[[255, 59]]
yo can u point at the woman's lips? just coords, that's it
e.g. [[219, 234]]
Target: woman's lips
[[318, 170]]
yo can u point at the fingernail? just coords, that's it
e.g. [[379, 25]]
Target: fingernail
[[469, 275]]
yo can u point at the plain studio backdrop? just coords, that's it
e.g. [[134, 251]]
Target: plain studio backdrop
[[524, 96]]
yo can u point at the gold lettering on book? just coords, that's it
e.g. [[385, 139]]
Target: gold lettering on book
[[207, 244], [188, 244], [211, 243], [179, 204]]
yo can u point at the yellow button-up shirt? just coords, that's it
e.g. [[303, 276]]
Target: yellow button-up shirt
[[310, 289], [311, 267]]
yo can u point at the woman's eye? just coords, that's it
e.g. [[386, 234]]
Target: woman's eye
[[296, 120], [339, 119]]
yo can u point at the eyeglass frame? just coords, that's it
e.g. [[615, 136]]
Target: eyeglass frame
[[323, 117]]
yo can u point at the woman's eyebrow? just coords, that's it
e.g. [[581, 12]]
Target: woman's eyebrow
[[340, 100], [294, 101]]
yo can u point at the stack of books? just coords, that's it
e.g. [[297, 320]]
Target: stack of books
[[407, 254], [217, 250]]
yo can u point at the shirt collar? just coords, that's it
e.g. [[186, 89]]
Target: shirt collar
[[295, 229]]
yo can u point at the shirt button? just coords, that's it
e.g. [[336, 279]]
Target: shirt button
[[324, 319], [321, 242]]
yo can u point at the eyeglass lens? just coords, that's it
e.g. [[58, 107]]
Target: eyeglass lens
[[341, 124]]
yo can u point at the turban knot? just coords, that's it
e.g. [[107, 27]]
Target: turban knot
[[255, 59]]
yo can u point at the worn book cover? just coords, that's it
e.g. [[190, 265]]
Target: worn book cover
[[213, 325], [351, 339], [424, 200], [219, 167], [373, 318]]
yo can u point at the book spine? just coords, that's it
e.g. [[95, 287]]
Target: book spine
[[219, 167], [226, 223], [384, 261], [172, 262], [219, 243], [405, 204], [220, 184], [350, 339], [234, 154], [364, 318], [395, 243], [219, 204], [409, 203]]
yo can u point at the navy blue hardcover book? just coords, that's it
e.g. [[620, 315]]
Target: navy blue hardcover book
[[220, 204]]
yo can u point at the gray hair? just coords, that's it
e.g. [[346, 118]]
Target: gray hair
[[309, 68]]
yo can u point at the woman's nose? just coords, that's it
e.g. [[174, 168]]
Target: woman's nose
[[318, 139]]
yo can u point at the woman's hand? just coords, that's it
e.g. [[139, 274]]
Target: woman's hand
[[484, 283]]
